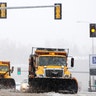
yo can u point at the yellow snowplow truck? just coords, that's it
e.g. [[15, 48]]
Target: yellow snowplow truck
[[6, 82], [48, 71]]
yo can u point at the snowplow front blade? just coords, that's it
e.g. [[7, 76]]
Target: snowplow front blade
[[7, 83], [53, 84]]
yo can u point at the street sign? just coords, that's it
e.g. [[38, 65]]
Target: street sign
[[92, 71], [94, 59], [92, 66]]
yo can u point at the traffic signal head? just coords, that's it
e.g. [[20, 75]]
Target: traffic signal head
[[19, 71], [92, 30], [3, 12], [58, 11]]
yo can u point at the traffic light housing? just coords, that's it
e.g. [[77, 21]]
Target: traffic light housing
[[92, 30], [3, 12], [19, 71], [58, 11]]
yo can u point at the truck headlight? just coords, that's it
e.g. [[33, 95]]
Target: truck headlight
[[62, 67], [45, 66], [67, 76]]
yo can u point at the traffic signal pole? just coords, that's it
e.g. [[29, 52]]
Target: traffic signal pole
[[92, 45], [92, 33]]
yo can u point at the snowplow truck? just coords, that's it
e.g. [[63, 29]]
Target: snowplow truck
[[48, 71], [6, 82]]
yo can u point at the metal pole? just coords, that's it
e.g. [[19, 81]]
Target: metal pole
[[93, 53], [92, 45]]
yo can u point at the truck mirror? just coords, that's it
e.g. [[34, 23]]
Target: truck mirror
[[12, 69], [72, 62]]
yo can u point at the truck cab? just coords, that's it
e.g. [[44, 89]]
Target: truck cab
[[51, 70], [5, 75]]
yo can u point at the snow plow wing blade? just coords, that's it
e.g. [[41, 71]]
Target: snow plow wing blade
[[60, 85], [7, 83]]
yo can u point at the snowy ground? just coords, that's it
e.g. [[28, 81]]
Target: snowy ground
[[12, 93]]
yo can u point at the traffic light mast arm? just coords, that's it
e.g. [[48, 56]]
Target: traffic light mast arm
[[26, 7], [57, 9]]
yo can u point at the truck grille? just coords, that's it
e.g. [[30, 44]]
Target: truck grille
[[53, 73]]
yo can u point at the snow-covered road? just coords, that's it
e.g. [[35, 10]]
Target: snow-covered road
[[13, 93]]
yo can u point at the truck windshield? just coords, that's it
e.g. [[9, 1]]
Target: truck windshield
[[3, 68], [52, 60]]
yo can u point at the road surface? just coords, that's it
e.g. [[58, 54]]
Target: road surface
[[15, 93]]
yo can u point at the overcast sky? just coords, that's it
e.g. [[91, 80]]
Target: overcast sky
[[27, 28]]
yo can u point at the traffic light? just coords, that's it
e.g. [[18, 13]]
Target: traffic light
[[19, 71], [58, 11], [92, 30], [3, 12]]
